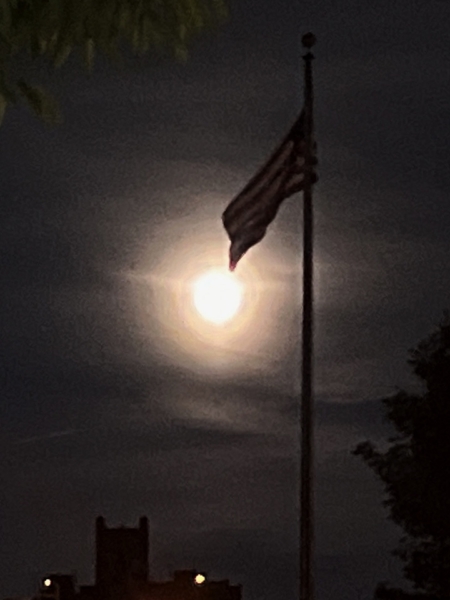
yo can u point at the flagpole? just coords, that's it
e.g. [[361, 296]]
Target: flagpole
[[306, 406]]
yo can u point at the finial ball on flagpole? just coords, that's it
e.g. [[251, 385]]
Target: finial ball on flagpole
[[308, 40]]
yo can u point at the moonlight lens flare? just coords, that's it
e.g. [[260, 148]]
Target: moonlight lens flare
[[217, 296]]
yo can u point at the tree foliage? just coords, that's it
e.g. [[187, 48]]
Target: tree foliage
[[415, 469], [53, 29]]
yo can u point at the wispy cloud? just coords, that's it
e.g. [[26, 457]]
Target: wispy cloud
[[49, 436]]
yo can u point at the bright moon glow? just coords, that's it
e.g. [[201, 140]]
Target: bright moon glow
[[185, 319], [47, 582], [217, 296], [199, 579]]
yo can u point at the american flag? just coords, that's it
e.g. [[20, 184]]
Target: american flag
[[249, 214]]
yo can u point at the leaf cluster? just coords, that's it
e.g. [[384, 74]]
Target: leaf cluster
[[415, 468], [54, 29]]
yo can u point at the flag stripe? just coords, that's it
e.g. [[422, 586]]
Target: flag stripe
[[263, 205], [250, 213], [269, 171], [253, 197]]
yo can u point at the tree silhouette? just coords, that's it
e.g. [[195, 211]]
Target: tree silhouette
[[53, 29], [415, 470]]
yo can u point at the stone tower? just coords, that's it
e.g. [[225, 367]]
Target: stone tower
[[121, 559]]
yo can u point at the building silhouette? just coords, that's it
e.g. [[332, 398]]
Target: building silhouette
[[191, 585], [121, 573], [121, 560], [56, 586]]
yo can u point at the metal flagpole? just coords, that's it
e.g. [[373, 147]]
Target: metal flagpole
[[306, 408]]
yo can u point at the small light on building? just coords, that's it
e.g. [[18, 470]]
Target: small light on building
[[47, 582], [199, 579]]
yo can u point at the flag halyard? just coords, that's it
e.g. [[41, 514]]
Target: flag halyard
[[249, 214]]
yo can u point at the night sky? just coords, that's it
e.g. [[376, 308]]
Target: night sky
[[115, 400]]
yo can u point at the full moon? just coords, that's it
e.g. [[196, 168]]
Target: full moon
[[217, 296]]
